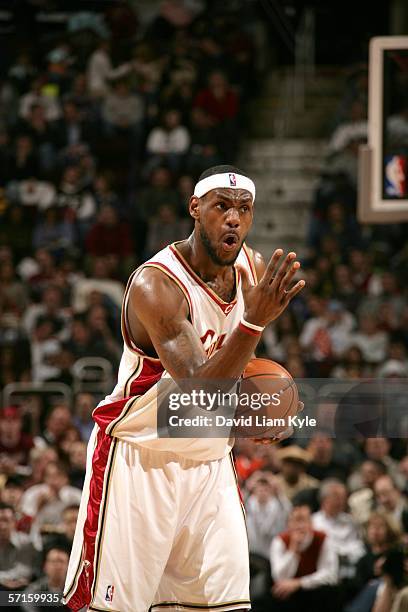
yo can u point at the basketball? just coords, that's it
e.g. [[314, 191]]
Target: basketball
[[269, 395]]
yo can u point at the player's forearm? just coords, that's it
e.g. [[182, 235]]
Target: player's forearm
[[231, 359]]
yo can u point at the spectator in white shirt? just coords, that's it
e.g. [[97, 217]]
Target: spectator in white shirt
[[122, 110], [339, 525], [100, 70], [46, 502], [370, 340], [169, 142], [303, 563], [267, 509]]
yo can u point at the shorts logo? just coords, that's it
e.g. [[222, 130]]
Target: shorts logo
[[109, 592], [232, 180]]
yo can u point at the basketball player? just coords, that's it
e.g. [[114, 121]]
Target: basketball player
[[160, 525]]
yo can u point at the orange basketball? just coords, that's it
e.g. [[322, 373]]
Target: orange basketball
[[268, 394]]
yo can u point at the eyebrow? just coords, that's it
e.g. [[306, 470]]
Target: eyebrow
[[245, 196]]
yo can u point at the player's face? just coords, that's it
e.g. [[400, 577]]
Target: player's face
[[224, 217]]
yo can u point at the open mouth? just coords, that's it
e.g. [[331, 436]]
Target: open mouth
[[229, 242]]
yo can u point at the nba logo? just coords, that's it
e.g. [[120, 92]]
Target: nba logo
[[233, 180], [109, 592], [395, 176]]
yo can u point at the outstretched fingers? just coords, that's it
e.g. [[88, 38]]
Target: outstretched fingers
[[271, 267], [283, 270], [289, 295]]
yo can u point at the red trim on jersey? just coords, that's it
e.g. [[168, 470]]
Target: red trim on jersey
[[83, 592], [226, 307], [149, 375]]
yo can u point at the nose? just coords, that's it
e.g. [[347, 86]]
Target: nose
[[233, 218]]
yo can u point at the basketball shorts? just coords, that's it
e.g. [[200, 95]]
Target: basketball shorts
[[157, 531]]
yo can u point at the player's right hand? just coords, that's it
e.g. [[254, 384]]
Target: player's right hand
[[265, 301]]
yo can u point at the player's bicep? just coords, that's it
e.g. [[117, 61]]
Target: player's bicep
[[162, 309]]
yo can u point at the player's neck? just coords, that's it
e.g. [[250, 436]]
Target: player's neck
[[196, 255]]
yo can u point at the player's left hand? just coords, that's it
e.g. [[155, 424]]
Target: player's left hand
[[283, 435]]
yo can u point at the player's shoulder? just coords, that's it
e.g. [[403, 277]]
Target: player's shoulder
[[257, 260], [151, 287]]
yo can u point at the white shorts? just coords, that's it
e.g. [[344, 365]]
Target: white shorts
[[157, 531]]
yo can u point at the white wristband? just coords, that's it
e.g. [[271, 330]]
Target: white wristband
[[257, 328]]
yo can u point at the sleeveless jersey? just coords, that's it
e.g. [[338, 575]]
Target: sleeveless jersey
[[212, 318]]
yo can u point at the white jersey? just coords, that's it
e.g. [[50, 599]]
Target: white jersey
[[212, 318]]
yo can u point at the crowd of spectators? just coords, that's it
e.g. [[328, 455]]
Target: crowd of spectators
[[101, 139]]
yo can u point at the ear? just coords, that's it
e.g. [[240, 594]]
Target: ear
[[194, 208]]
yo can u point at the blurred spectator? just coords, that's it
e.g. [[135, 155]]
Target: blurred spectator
[[304, 564], [75, 198], [73, 129], [55, 569], [50, 307], [267, 509], [52, 232], [293, 478], [85, 403], [69, 521], [168, 143], [362, 500], [36, 194], [24, 163], [42, 135], [381, 535], [57, 422], [123, 111], [100, 282], [77, 460], [111, 237], [46, 501], [390, 500], [13, 294], [205, 148], [36, 95], [44, 349], [164, 228], [17, 555], [370, 339], [15, 445], [323, 463], [100, 70], [337, 524], [219, 100], [158, 191]]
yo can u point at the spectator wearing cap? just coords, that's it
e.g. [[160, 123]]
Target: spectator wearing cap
[[17, 555], [338, 525], [390, 500], [293, 478], [267, 509], [55, 566], [15, 444], [304, 564], [45, 502]]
